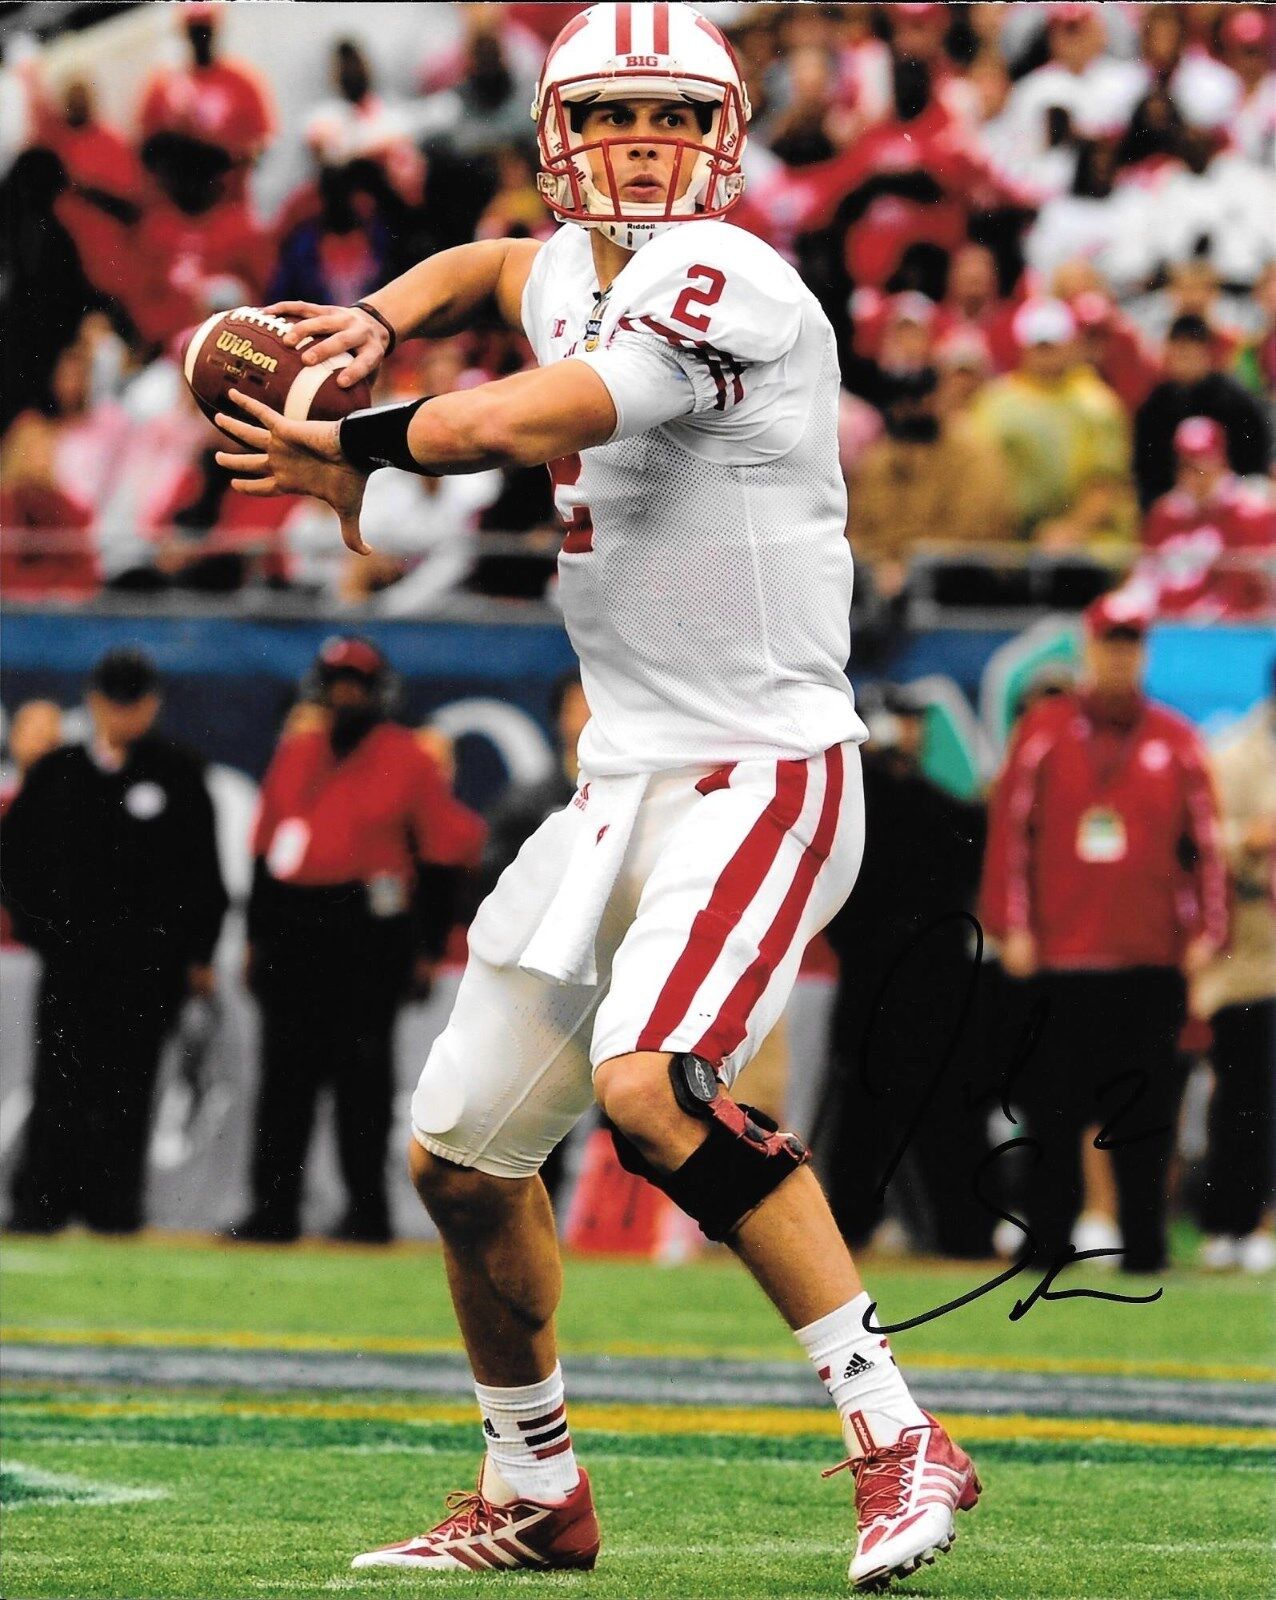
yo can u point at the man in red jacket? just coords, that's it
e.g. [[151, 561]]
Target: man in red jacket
[[1210, 543], [1105, 885], [341, 914]]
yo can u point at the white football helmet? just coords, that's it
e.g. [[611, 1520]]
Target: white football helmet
[[641, 51]]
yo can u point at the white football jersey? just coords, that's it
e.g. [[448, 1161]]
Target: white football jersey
[[705, 575]]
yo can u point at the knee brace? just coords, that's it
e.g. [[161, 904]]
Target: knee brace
[[743, 1158]]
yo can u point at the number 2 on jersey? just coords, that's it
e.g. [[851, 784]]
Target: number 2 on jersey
[[706, 297], [564, 472]]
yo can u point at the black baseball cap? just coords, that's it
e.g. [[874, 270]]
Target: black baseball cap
[[125, 676]]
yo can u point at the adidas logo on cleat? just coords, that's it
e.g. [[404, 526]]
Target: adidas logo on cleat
[[858, 1365]]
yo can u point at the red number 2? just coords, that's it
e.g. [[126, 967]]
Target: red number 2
[[564, 472], [705, 297]]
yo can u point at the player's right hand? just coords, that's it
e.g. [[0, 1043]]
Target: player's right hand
[[336, 330]]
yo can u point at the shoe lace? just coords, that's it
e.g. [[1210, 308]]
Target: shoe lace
[[468, 1509], [883, 1479]]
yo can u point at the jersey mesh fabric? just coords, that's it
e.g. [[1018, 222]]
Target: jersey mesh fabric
[[711, 614]]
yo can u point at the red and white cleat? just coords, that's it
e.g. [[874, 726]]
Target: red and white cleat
[[905, 1497], [479, 1536]]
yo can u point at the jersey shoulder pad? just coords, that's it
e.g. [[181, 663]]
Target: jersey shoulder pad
[[709, 283]]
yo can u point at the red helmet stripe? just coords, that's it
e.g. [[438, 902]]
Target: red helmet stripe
[[660, 29], [569, 32], [624, 30]]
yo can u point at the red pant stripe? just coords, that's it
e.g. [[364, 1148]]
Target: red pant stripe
[[732, 1022], [735, 889]]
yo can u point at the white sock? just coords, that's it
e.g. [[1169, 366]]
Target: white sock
[[859, 1372], [527, 1438]]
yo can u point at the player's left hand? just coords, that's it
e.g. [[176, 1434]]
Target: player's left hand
[[288, 457]]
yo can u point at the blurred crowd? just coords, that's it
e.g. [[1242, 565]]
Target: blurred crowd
[[1025, 978], [1045, 236]]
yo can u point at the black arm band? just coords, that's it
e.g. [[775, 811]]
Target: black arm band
[[378, 437], [363, 305]]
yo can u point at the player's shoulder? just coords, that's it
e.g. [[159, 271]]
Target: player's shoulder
[[745, 260], [713, 282], [565, 249]]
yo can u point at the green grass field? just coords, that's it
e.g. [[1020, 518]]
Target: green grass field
[[127, 1489]]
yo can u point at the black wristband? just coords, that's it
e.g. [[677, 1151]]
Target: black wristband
[[362, 305], [378, 437]]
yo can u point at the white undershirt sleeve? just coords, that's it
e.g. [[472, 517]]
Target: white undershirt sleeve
[[646, 379]]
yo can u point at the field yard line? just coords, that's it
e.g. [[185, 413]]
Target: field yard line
[[781, 1422], [250, 1339], [63, 1488]]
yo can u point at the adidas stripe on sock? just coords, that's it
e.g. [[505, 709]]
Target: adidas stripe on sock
[[528, 1441], [859, 1372]]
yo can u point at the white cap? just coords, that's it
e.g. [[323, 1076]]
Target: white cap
[[1043, 322]]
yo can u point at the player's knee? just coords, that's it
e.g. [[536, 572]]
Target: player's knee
[[633, 1092], [462, 1202]]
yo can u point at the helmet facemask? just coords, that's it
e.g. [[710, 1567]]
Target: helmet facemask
[[567, 181]]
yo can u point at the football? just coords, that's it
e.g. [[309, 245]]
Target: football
[[244, 349]]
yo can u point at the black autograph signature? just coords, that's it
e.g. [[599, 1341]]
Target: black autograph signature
[[1000, 1089]]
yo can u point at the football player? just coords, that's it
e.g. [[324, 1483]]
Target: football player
[[647, 937]]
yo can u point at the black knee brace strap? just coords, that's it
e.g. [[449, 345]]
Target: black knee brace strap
[[743, 1158]]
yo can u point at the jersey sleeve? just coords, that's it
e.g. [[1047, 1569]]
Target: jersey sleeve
[[717, 298], [649, 382]]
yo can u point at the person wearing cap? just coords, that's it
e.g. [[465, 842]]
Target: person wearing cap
[[1193, 387], [111, 874], [358, 844], [213, 100], [1081, 92], [1247, 41], [1210, 543], [1106, 889], [1055, 422]]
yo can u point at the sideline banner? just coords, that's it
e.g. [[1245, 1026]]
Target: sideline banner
[[231, 680]]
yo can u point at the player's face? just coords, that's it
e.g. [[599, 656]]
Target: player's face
[[639, 144]]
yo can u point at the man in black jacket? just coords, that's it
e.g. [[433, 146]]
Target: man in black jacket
[[896, 1054], [110, 873], [1194, 388]]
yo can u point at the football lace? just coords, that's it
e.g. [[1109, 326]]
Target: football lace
[[263, 319]]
